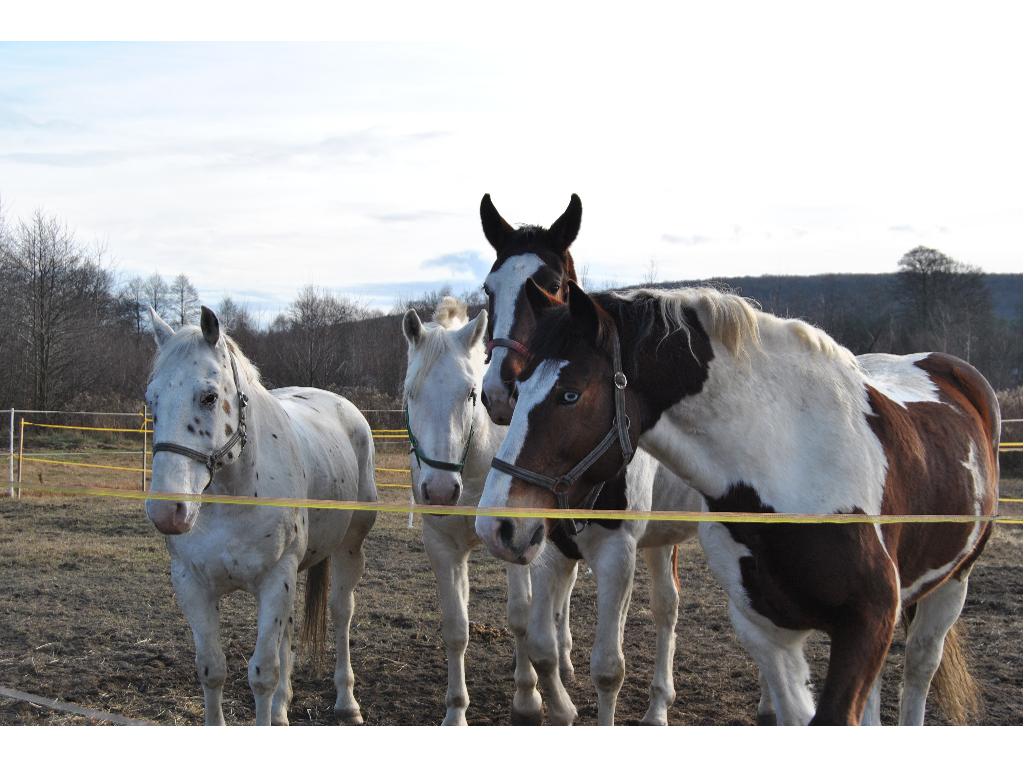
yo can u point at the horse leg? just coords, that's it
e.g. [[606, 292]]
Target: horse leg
[[347, 564], [765, 708], [451, 569], [779, 655], [926, 637], [275, 600], [859, 646], [201, 612], [283, 694], [614, 563], [550, 577], [527, 708], [565, 666], [873, 709], [665, 607]]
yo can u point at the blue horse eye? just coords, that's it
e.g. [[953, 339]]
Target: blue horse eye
[[570, 397]]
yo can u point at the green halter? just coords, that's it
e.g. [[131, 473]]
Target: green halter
[[448, 466]]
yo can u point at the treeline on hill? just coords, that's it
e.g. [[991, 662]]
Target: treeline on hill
[[77, 338]]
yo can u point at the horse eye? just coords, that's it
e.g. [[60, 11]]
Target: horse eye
[[553, 288], [569, 397], [208, 400]]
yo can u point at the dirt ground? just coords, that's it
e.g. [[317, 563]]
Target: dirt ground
[[87, 614]]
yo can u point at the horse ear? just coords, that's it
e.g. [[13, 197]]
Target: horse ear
[[496, 229], [583, 310], [473, 331], [563, 232], [538, 298], [161, 330], [412, 327], [211, 326]]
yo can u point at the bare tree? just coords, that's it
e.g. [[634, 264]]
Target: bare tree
[[158, 294], [234, 317], [184, 300]]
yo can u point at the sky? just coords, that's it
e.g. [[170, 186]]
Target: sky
[[727, 148]]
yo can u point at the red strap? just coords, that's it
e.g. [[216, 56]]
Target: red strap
[[515, 346]]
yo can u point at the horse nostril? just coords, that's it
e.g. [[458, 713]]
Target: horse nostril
[[485, 400], [510, 387], [425, 492], [505, 531], [537, 537], [456, 492]]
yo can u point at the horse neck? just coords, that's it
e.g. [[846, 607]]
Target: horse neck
[[239, 477], [761, 418]]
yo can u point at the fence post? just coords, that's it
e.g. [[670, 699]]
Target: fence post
[[21, 453], [10, 457], [145, 441]]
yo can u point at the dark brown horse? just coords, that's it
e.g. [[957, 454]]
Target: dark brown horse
[[762, 414]]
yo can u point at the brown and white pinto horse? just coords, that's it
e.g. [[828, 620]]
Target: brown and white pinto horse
[[610, 547], [763, 414]]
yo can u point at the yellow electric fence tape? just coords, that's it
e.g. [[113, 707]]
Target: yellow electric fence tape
[[589, 514]]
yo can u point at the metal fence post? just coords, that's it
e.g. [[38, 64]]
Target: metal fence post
[[145, 442], [21, 453], [10, 457]]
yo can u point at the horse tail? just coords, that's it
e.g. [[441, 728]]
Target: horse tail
[[314, 621], [675, 567], [957, 693]]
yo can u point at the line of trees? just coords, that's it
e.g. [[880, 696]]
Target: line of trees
[[74, 337]]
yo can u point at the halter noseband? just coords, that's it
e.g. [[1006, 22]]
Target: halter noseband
[[560, 486], [512, 344], [447, 466], [214, 461]]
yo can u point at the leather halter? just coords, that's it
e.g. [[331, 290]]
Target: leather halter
[[447, 466], [512, 344], [214, 461], [560, 486]]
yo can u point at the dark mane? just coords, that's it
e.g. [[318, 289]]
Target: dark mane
[[555, 336]]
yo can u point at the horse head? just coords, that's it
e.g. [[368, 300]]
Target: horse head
[[523, 253]]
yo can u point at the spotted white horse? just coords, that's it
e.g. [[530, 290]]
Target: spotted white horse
[[217, 429], [453, 443]]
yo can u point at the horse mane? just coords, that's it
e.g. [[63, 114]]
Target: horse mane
[[184, 342], [736, 322], [732, 320], [449, 315]]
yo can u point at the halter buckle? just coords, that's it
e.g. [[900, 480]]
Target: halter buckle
[[620, 380], [561, 486]]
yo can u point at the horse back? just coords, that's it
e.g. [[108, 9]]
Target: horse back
[[333, 441], [941, 450]]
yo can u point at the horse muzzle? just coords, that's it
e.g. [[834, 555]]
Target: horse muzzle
[[171, 518], [515, 541]]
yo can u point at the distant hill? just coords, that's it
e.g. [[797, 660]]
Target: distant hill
[[799, 295]]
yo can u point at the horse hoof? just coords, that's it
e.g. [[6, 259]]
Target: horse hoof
[[654, 721], [766, 718], [349, 716], [527, 718]]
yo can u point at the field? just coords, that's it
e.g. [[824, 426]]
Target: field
[[87, 614]]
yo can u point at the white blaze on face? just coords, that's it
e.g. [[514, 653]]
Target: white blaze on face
[[505, 284], [532, 392]]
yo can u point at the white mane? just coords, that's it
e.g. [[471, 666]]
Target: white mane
[[436, 340], [734, 321]]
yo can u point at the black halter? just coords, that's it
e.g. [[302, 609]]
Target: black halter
[[560, 486], [214, 461]]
